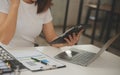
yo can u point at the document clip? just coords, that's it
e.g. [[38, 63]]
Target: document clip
[[48, 67]]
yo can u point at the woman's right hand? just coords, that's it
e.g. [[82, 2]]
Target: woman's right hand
[[15, 2]]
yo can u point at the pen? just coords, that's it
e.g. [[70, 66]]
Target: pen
[[42, 61], [35, 59]]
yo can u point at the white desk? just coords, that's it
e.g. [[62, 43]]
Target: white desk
[[106, 64]]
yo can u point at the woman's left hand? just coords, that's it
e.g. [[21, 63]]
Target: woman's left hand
[[71, 40]]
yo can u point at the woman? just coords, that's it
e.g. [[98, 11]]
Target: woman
[[22, 20]]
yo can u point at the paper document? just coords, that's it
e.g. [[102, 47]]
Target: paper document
[[43, 62], [35, 60]]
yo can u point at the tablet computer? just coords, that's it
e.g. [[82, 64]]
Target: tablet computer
[[75, 29]]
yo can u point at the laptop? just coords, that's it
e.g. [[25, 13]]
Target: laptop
[[82, 57]]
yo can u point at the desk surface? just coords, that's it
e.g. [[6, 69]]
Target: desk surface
[[106, 64]]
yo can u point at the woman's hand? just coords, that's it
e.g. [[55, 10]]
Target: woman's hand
[[72, 40], [15, 2]]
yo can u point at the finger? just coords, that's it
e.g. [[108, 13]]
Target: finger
[[74, 36], [80, 32], [67, 40], [70, 38]]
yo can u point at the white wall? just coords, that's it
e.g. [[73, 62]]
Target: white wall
[[58, 11]]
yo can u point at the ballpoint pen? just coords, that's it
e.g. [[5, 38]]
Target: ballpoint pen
[[35, 59], [42, 61]]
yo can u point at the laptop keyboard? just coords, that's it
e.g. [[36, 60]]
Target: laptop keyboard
[[83, 57], [80, 57]]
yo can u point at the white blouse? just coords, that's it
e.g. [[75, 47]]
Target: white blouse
[[29, 23]]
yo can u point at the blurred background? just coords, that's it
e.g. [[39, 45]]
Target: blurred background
[[101, 18]]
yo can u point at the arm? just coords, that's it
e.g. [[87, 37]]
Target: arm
[[8, 22], [49, 31], [50, 35]]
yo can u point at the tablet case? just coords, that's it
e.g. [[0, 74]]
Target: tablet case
[[75, 29]]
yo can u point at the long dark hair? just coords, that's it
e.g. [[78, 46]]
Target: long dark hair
[[43, 5]]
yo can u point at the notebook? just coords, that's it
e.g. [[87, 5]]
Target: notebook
[[40, 62], [8, 64], [34, 60], [75, 29], [82, 57]]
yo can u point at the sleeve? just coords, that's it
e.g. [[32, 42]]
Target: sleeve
[[48, 16], [4, 6]]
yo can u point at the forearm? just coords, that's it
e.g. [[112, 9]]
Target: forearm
[[49, 32], [51, 36], [9, 25]]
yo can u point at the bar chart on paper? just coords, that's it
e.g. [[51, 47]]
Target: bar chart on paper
[[35, 60]]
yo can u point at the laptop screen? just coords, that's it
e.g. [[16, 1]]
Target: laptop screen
[[115, 46], [109, 44]]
